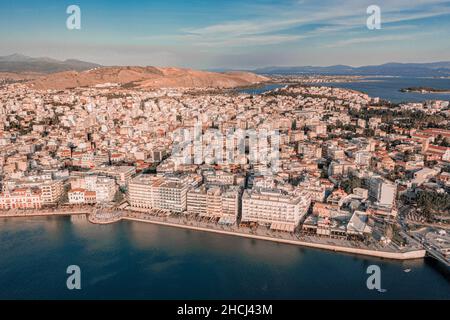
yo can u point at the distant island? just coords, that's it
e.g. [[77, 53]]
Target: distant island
[[425, 90]]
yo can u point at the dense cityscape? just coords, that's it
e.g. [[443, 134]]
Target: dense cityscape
[[345, 171]]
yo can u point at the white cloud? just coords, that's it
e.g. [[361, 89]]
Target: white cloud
[[338, 17]]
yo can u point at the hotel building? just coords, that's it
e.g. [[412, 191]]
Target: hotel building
[[153, 192], [280, 210]]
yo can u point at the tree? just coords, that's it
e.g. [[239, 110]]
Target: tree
[[351, 183], [294, 124], [431, 203]]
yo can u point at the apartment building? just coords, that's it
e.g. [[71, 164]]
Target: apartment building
[[341, 167], [219, 177], [214, 202], [122, 174], [52, 191], [362, 158], [169, 195]]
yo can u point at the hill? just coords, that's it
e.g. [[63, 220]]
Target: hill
[[146, 77]]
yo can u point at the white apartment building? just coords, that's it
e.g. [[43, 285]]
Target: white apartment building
[[276, 208], [361, 193], [197, 200]]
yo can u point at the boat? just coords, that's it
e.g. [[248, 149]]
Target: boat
[[407, 270]]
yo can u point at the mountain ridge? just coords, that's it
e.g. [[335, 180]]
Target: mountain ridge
[[440, 68], [19, 63]]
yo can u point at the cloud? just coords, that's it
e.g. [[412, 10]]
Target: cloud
[[330, 17]]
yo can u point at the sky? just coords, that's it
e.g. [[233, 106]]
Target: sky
[[236, 34]]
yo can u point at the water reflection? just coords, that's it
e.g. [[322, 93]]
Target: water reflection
[[185, 242]]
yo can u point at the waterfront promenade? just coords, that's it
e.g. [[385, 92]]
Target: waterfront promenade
[[65, 211], [99, 216]]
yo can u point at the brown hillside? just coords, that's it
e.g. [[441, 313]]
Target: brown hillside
[[147, 77]]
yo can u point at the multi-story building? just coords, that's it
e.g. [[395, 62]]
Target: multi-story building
[[362, 158], [219, 177], [166, 193], [169, 195], [197, 200], [214, 202], [335, 153], [140, 192], [280, 210], [105, 189], [82, 196], [51, 190], [83, 159], [309, 150], [21, 198], [122, 174], [341, 167]]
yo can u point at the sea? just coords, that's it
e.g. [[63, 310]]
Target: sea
[[386, 88], [135, 260]]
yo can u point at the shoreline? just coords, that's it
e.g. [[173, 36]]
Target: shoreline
[[408, 255], [425, 90], [399, 256]]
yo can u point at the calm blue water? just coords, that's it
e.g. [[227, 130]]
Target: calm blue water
[[382, 87], [388, 88], [136, 260]]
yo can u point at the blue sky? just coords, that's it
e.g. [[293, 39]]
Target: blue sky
[[230, 33]]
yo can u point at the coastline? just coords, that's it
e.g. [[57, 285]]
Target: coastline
[[393, 255], [408, 255], [425, 90]]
